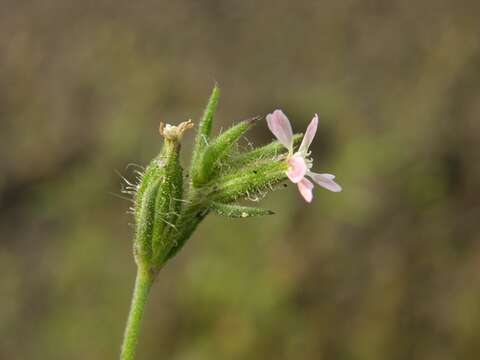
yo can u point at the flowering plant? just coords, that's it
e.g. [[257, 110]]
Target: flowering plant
[[167, 211]]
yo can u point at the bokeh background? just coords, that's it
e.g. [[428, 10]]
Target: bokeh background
[[387, 269]]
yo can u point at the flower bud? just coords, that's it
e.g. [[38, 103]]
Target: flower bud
[[217, 150], [248, 182], [158, 200]]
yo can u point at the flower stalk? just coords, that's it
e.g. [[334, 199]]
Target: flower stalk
[[143, 284]]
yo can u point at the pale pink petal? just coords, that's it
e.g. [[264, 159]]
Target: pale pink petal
[[309, 135], [297, 168], [328, 176], [279, 125], [326, 181], [305, 187]]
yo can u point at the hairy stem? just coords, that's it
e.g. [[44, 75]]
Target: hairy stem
[[143, 284]]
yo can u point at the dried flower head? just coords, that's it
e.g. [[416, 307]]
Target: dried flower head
[[172, 132]]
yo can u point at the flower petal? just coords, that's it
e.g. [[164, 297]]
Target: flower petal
[[279, 125], [326, 181], [305, 187], [297, 168], [328, 176], [309, 135]]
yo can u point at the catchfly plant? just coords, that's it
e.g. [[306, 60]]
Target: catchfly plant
[[299, 163], [169, 204]]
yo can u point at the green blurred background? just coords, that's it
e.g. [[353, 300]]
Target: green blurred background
[[387, 269]]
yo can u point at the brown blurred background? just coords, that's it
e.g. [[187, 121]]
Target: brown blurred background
[[387, 269]]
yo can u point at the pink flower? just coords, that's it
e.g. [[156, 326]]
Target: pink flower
[[300, 162]]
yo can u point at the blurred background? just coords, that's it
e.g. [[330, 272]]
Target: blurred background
[[387, 269]]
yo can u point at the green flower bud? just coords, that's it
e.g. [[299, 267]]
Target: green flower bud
[[216, 151], [249, 182], [158, 201], [269, 151]]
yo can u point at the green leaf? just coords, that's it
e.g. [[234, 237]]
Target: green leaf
[[217, 150], [205, 127], [237, 211]]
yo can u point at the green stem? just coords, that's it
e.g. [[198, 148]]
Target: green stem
[[143, 284]]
